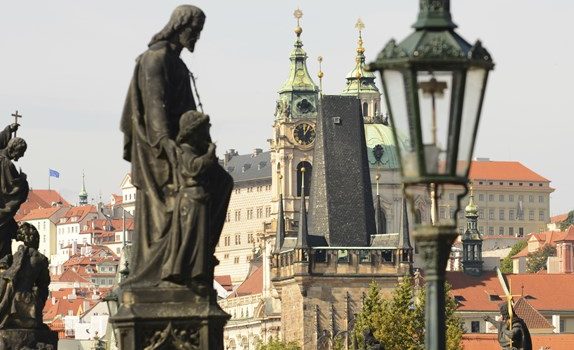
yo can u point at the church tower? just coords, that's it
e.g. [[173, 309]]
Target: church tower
[[83, 195], [471, 241], [361, 83], [294, 131]]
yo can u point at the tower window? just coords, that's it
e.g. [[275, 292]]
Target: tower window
[[365, 109]]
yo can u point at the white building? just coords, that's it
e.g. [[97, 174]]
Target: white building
[[44, 219], [128, 199], [70, 225]]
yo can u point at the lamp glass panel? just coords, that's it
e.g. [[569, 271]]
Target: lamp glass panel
[[397, 105], [473, 91], [434, 94]]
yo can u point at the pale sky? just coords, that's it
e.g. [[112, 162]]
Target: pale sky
[[66, 66]]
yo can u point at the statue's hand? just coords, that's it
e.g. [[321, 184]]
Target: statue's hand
[[170, 148], [14, 127]]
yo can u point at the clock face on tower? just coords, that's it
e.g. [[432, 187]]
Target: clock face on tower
[[304, 134]]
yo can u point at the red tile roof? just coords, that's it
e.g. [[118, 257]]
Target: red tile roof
[[495, 170], [548, 237], [539, 289], [532, 318], [118, 199], [41, 213], [70, 276], [225, 282], [105, 225], [558, 218], [252, 284], [79, 212], [481, 341], [40, 199]]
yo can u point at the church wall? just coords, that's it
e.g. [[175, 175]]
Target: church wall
[[318, 307]]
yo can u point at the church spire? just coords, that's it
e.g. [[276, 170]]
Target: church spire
[[404, 233], [380, 220], [83, 193], [299, 78], [280, 236], [303, 232]]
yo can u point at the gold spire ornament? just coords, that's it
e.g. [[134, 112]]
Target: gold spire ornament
[[320, 74], [298, 14], [360, 26]]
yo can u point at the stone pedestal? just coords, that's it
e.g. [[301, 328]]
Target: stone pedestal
[[172, 317], [41, 339]]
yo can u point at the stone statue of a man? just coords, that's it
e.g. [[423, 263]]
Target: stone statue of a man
[[159, 95]]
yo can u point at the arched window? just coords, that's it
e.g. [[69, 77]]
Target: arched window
[[376, 108], [365, 109], [418, 217], [308, 169]]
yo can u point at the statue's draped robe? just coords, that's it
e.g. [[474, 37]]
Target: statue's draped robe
[[198, 217], [160, 92], [13, 192], [24, 289]]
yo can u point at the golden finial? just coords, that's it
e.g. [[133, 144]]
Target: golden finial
[[360, 26], [320, 74], [298, 14]]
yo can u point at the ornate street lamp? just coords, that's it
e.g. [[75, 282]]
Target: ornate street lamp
[[434, 83]]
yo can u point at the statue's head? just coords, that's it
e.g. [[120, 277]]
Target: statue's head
[[503, 307], [184, 27], [28, 234], [16, 148], [194, 126]]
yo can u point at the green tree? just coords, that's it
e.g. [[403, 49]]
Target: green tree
[[276, 344], [569, 221], [536, 261], [506, 263], [371, 312], [398, 322]]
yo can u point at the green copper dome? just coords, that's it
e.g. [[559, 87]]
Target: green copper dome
[[381, 149]]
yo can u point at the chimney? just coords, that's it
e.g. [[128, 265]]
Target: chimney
[[256, 152], [230, 153]]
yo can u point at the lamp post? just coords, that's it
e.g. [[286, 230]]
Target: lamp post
[[434, 83]]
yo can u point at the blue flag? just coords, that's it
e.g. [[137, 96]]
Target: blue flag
[[54, 173]]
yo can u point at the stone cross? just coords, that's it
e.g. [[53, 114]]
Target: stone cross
[[16, 116]]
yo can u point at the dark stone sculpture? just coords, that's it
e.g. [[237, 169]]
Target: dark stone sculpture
[[23, 294], [182, 198], [514, 337], [13, 187]]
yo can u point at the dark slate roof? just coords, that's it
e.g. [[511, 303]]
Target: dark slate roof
[[385, 240], [250, 167], [341, 200]]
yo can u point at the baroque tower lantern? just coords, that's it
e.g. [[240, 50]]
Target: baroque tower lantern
[[472, 241]]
